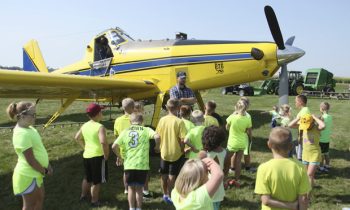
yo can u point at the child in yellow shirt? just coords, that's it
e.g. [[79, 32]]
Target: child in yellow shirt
[[210, 107], [282, 182]]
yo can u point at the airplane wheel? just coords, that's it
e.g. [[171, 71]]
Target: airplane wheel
[[276, 90]]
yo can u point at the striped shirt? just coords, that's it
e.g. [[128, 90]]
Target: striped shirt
[[178, 93]]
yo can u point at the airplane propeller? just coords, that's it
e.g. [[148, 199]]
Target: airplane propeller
[[286, 53]]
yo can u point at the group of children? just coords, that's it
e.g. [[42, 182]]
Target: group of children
[[193, 162]]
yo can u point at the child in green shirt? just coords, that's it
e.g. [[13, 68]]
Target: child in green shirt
[[193, 138], [325, 136]]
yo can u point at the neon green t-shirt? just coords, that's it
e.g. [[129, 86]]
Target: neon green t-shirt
[[93, 147], [23, 139], [121, 123], [188, 124], [195, 138], [303, 111], [210, 120], [198, 199], [220, 156], [135, 144], [326, 132], [311, 145], [283, 179], [238, 138], [171, 130]]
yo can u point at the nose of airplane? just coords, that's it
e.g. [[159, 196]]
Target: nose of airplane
[[289, 54]]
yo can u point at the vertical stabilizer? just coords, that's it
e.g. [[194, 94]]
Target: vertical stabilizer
[[32, 58]]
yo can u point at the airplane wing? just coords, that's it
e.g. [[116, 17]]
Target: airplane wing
[[20, 84]]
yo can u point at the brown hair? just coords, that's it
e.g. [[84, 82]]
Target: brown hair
[[16, 109], [136, 117], [280, 139], [173, 104], [211, 105], [325, 106], [302, 98], [185, 111]]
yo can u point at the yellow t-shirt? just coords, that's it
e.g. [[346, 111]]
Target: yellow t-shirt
[[283, 179], [93, 147], [23, 139], [198, 199], [121, 123], [210, 120], [171, 130], [311, 145], [238, 137]]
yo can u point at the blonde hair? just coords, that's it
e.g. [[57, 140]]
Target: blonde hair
[[324, 106], [246, 99], [198, 116], [285, 109], [136, 117], [241, 107], [128, 103], [193, 174], [173, 104], [280, 139], [16, 109], [138, 106]]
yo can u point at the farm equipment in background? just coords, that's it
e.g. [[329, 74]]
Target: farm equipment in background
[[295, 80], [241, 90], [319, 79]]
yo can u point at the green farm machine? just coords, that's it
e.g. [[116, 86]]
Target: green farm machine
[[295, 79], [319, 79]]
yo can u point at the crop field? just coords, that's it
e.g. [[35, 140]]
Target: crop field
[[64, 187]]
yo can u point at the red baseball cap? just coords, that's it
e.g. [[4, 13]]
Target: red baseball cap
[[93, 109]]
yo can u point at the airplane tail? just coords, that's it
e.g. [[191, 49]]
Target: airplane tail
[[32, 58]]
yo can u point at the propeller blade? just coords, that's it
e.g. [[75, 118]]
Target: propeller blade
[[283, 89], [290, 41], [274, 27]]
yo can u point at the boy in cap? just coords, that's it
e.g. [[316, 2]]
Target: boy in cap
[[92, 137], [282, 182], [309, 128], [181, 92]]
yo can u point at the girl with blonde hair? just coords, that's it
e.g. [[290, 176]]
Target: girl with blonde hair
[[33, 160], [193, 190], [239, 125]]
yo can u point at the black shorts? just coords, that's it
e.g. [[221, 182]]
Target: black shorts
[[324, 148], [136, 177], [96, 170], [171, 168]]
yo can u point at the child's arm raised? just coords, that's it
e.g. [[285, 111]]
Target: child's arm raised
[[268, 201], [217, 175]]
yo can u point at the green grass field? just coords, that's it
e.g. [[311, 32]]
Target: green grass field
[[63, 188]]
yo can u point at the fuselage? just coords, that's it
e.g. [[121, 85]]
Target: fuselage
[[208, 64]]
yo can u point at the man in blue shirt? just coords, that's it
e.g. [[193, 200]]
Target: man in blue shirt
[[184, 94]]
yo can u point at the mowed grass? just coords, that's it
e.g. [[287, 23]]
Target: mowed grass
[[63, 188]]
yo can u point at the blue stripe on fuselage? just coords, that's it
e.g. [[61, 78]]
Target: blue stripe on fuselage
[[178, 61], [156, 63]]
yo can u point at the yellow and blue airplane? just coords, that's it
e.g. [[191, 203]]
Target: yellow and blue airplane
[[116, 66]]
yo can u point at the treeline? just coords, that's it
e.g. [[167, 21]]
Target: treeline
[[342, 80], [19, 68]]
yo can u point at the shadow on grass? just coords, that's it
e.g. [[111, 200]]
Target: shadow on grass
[[63, 188], [230, 203]]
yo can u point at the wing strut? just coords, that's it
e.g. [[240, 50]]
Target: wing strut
[[157, 109], [63, 107], [199, 100]]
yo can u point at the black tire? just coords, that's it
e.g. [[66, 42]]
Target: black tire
[[276, 90], [298, 89]]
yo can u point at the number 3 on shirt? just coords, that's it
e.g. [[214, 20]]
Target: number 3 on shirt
[[134, 141]]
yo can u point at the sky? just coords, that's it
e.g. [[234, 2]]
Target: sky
[[64, 28]]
